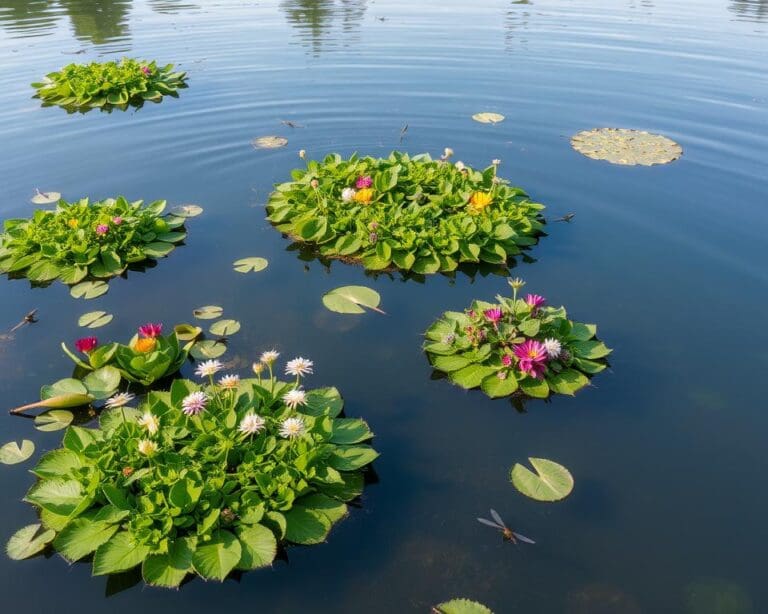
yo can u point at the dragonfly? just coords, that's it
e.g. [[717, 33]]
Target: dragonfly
[[30, 318], [498, 524]]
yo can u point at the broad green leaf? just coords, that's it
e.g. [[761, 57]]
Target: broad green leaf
[[95, 319], [471, 376], [567, 382], [332, 509], [121, 553], [158, 249], [350, 458], [450, 363], [582, 332], [551, 482], [102, 383], [590, 349], [495, 387], [11, 453], [187, 332], [208, 312], [352, 299], [89, 289], [259, 546], [82, 536], [169, 570], [28, 541], [207, 349], [350, 431], [214, 559], [321, 400], [306, 526], [67, 385], [57, 495], [250, 265], [536, 388], [57, 463], [461, 606], [54, 420], [224, 328]]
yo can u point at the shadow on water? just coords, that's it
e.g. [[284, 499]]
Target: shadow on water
[[318, 22]]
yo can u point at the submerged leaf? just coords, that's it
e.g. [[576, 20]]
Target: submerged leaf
[[269, 142], [352, 299], [11, 453], [551, 482]]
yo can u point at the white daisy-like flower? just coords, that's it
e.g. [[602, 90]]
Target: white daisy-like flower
[[294, 398], [119, 400], [194, 403], [258, 367], [208, 368], [292, 427], [553, 347], [229, 381], [252, 424], [459, 166], [150, 422], [269, 357], [147, 447], [347, 194], [299, 366]]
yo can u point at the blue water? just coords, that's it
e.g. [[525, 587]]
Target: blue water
[[667, 448]]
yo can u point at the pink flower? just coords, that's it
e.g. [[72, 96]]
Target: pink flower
[[363, 182], [86, 344], [117, 220], [471, 313], [506, 360], [102, 229], [532, 356], [151, 330], [534, 301], [493, 315], [194, 403], [146, 70]]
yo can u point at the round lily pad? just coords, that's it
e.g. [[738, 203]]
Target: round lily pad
[[45, 198], [628, 147], [208, 348], [269, 142], [250, 265], [461, 606], [11, 453], [352, 299], [54, 420], [551, 482], [26, 542], [488, 118], [225, 328], [89, 289], [187, 210], [208, 312], [95, 319]]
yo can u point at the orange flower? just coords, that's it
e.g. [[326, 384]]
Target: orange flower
[[73, 223], [364, 196], [479, 201], [145, 345]]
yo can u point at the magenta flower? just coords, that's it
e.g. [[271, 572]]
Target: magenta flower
[[151, 330], [534, 301], [471, 313], [493, 316], [506, 360], [532, 356], [86, 344], [146, 70], [102, 229], [363, 182], [117, 220]]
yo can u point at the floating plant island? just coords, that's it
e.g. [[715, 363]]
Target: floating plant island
[[408, 213], [516, 345], [82, 240], [200, 479], [108, 85]]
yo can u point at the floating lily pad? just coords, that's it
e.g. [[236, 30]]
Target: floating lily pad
[[488, 118], [187, 332], [352, 299], [269, 142], [225, 328], [208, 312], [187, 210], [11, 453], [250, 265], [461, 606], [89, 289], [95, 319], [551, 482], [54, 420], [45, 198], [628, 147], [208, 348], [26, 542]]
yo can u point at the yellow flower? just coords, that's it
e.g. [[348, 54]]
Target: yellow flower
[[147, 447], [73, 223], [364, 196], [479, 201], [145, 344]]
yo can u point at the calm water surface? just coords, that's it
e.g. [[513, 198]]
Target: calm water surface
[[668, 448]]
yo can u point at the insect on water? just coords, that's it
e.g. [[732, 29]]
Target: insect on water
[[508, 534]]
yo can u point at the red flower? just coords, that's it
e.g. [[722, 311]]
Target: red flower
[[151, 330], [86, 344]]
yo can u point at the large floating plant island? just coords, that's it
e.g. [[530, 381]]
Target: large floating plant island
[[408, 213]]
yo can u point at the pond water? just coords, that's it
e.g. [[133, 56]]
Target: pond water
[[670, 261]]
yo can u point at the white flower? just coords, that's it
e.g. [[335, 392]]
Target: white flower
[[292, 427], [459, 166], [302, 153], [208, 368], [229, 381], [194, 403], [269, 357], [258, 367], [298, 366], [147, 447], [119, 399], [150, 422], [347, 194], [495, 161], [251, 424], [447, 153], [553, 347], [295, 398]]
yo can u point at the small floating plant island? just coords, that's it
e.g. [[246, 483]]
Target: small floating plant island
[[515, 346], [406, 213], [109, 85]]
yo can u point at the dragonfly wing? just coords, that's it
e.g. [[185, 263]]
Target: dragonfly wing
[[523, 538], [489, 523], [496, 517]]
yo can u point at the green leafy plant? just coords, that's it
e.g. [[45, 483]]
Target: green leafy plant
[[82, 239], [107, 85], [413, 214], [203, 479], [146, 358], [515, 346]]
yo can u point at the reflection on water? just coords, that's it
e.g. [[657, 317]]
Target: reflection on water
[[172, 7], [98, 21], [516, 20], [750, 10], [27, 17], [317, 20]]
